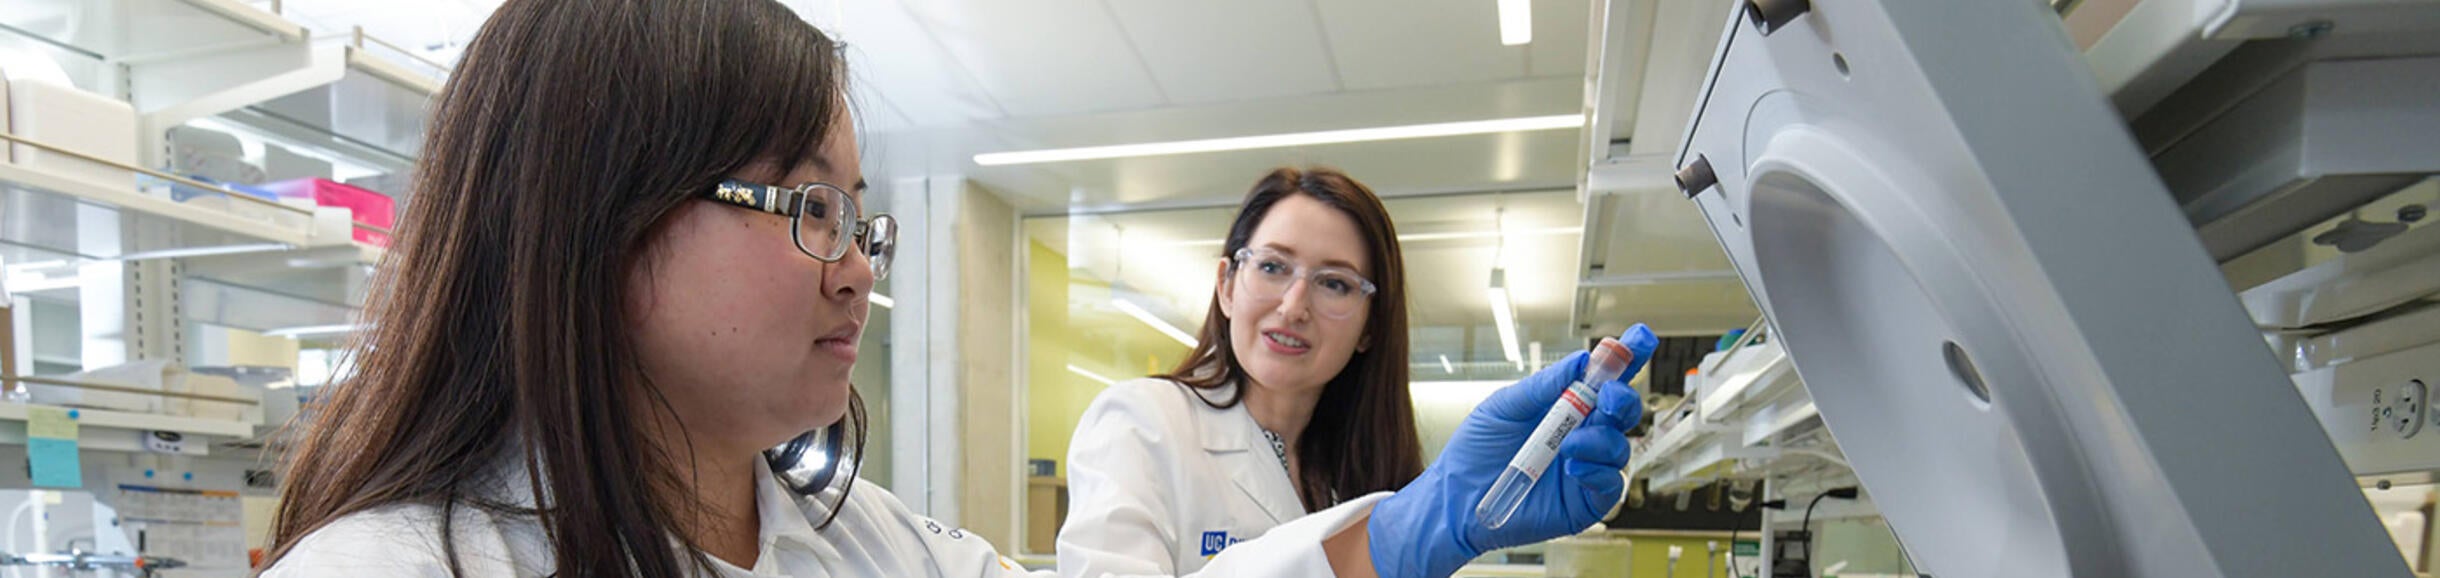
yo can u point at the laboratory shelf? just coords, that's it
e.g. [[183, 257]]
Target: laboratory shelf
[[139, 31], [122, 431], [255, 309], [2144, 50], [1749, 418], [404, 75], [238, 271], [2400, 270], [327, 275], [66, 215], [359, 141], [369, 115]]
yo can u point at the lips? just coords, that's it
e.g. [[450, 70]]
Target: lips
[[1285, 342], [841, 342]]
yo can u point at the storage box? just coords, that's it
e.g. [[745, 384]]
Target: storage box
[[76, 120], [210, 156], [364, 206], [400, 186]]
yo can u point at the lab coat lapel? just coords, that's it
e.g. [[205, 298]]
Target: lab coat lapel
[[1236, 443]]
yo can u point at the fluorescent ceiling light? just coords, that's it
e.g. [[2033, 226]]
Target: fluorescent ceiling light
[[884, 301], [1072, 368], [311, 330], [1282, 140], [1516, 22], [1446, 366], [1504, 316], [1132, 310]]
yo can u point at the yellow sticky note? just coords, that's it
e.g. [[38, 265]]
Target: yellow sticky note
[[44, 421]]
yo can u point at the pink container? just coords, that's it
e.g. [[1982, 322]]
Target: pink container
[[367, 207]]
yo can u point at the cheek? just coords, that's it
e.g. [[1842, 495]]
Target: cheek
[[727, 332]]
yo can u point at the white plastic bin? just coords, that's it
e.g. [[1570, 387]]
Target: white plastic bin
[[65, 117]]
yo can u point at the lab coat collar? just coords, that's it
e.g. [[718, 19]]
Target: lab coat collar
[[784, 516], [1235, 440], [1225, 430]]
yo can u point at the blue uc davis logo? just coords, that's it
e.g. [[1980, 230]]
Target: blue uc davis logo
[[1214, 542]]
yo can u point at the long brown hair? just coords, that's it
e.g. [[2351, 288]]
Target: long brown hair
[[1362, 436], [498, 327]]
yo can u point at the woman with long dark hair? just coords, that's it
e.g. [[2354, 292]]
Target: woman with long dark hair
[[624, 305], [1293, 400]]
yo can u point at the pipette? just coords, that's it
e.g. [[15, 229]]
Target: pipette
[[1610, 358]]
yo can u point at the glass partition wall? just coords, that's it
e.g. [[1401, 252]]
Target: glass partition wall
[[1118, 296]]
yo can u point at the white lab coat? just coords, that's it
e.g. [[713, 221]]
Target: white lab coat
[[1159, 482], [874, 535]]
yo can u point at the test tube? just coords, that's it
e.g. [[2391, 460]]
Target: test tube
[[1610, 359]]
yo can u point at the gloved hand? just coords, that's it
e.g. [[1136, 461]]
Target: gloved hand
[[1428, 529]]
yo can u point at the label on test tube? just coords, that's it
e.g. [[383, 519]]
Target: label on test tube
[[1574, 405], [1563, 418]]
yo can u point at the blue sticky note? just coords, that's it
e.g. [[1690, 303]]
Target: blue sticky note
[[54, 463]]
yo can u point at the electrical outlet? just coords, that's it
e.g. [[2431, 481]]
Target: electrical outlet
[[2406, 410]]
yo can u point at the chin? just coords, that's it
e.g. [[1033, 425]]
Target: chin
[[827, 404], [1271, 374]]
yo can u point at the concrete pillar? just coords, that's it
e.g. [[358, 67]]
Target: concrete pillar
[[956, 426]]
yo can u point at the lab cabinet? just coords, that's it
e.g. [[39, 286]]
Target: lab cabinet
[[158, 298]]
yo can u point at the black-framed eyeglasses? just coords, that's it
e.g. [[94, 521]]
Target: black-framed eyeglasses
[[824, 220]]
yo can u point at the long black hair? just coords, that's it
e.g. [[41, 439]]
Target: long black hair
[[566, 133]]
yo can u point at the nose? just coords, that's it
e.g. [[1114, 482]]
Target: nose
[[850, 276], [1295, 304]]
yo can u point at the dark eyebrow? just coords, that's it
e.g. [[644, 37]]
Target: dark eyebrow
[[860, 185], [1284, 250]]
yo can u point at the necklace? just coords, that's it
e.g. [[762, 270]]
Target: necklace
[[1279, 447]]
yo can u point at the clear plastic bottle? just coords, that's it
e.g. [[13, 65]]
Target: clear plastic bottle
[[1610, 358]]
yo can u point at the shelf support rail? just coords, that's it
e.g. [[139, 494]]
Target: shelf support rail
[[1752, 331], [233, 194]]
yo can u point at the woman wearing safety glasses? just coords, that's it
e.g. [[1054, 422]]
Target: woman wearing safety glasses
[[625, 303], [1294, 399]]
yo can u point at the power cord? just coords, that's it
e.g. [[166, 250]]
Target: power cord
[[1846, 493]]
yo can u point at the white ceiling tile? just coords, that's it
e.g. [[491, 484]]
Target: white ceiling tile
[[1561, 29], [1485, 162], [1408, 43], [1204, 52], [1043, 58], [890, 54]]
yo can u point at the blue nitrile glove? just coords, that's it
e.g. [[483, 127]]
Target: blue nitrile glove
[[1428, 529]]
